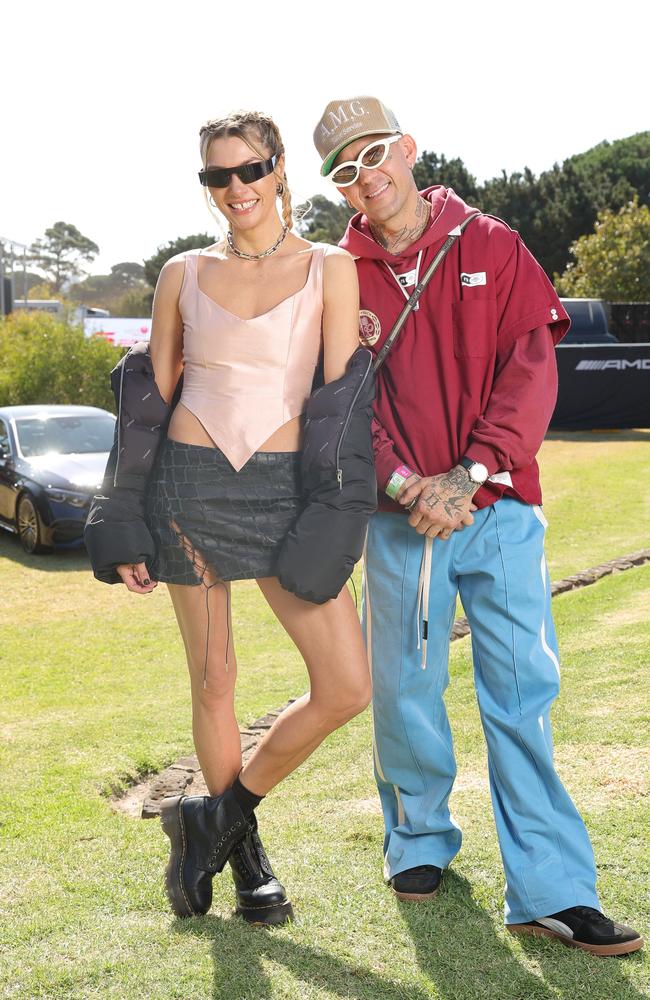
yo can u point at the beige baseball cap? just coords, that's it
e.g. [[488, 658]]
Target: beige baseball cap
[[344, 121]]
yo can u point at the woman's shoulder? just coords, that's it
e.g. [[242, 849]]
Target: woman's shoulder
[[337, 263], [331, 250], [174, 268], [214, 250], [339, 272]]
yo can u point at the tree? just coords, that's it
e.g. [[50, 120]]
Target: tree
[[60, 253], [109, 290], [128, 274], [43, 290], [133, 303], [154, 265], [612, 263], [432, 169], [612, 172], [326, 220], [550, 211]]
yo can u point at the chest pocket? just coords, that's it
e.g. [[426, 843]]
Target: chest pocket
[[475, 330]]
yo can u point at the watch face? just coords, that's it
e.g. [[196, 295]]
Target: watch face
[[478, 473]]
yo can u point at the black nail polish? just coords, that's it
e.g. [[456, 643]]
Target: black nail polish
[[147, 582]]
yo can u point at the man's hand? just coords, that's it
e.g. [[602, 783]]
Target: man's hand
[[135, 576], [439, 504]]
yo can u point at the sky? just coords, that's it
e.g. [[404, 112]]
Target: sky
[[102, 103]]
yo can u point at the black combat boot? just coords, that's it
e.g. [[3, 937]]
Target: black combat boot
[[261, 898], [203, 829]]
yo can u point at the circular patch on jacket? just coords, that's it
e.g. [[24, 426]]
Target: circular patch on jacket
[[369, 328]]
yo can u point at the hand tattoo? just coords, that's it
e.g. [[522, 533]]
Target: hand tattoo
[[456, 486]]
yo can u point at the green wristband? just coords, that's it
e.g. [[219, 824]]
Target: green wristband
[[397, 480]]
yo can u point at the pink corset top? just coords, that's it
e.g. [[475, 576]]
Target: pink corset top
[[245, 378]]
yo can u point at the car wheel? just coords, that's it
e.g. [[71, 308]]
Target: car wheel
[[29, 527]]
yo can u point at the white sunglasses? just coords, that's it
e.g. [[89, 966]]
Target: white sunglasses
[[370, 157]]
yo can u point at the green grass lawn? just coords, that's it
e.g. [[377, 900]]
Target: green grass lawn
[[596, 497], [94, 692]]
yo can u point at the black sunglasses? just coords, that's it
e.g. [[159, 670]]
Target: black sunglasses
[[219, 177]]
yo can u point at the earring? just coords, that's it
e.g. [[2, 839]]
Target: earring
[[279, 190], [211, 201]]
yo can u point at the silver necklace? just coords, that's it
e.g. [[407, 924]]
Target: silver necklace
[[256, 256]]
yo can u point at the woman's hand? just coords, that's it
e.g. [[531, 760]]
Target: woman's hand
[[135, 577]]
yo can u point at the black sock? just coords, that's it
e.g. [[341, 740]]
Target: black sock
[[247, 801]]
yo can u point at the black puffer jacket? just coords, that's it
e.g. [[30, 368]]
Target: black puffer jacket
[[338, 475], [337, 467]]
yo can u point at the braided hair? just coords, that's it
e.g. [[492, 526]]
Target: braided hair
[[256, 130]]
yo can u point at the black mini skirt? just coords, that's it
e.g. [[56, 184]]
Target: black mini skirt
[[203, 514]]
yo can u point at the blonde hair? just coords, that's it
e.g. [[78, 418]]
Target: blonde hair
[[249, 126]]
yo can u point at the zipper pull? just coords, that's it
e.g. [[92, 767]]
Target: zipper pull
[[339, 478]]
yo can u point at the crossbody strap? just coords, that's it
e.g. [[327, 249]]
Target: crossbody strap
[[419, 288]]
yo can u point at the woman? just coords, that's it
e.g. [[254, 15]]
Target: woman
[[245, 321]]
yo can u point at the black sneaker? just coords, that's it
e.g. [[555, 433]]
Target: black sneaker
[[586, 928], [418, 883]]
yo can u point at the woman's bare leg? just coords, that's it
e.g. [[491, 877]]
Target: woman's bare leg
[[214, 725], [330, 640]]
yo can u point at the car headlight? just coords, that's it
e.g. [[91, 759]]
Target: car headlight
[[67, 496]]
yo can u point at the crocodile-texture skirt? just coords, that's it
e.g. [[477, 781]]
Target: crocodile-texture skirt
[[203, 515]]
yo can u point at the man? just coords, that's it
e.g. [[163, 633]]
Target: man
[[464, 399]]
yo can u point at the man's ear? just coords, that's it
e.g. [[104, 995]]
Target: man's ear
[[410, 149]]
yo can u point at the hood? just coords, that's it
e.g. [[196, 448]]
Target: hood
[[447, 211], [80, 472]]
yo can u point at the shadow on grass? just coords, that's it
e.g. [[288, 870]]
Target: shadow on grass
[[240, 953], [590, 976], [61, 560], [459, 950]]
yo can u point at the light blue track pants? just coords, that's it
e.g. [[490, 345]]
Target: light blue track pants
[[409, 602]]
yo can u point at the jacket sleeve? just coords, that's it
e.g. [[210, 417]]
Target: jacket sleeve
[[319, 552], [116, 531], [510, 432]]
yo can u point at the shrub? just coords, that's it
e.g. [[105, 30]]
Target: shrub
[[45, 360], [613, 262]]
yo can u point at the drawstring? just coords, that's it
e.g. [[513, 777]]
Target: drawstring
[[208, 588], [191, 555], [423, 600]]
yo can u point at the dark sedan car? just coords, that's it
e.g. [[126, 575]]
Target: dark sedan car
[[52, 460]]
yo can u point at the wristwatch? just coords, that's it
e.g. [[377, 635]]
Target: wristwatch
[[476, 471]]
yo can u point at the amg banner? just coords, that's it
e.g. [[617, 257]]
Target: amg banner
[[607, 385]]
